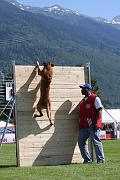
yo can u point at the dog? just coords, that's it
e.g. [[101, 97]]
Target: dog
[[46, 78]]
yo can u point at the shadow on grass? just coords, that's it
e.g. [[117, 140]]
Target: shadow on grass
[[7, 166]]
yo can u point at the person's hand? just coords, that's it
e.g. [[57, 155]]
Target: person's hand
[[94, 127]]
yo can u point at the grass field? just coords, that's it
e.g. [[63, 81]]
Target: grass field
[[108, 171]]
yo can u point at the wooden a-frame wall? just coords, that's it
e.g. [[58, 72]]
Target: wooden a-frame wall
[[38, 143]]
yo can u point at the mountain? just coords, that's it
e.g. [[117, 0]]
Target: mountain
[[66, 39], [57, 10]]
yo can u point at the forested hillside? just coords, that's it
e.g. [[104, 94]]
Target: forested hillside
[[27, 37]]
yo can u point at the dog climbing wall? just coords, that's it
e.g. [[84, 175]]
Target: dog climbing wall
[[38, 143]]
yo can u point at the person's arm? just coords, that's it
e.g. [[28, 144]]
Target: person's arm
[[98, 115], [98, 106]]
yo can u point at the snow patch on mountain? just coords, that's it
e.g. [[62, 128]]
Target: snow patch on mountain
[[56, 9]]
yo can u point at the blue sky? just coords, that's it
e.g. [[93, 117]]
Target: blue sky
[[103, 8]]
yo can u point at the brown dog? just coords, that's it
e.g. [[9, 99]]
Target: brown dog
[[46, 77]]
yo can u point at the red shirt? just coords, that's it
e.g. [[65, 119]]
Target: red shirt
[[88, 113]]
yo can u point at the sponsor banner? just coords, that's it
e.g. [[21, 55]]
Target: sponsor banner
[[8, 138], [118, 134], [102, 134]]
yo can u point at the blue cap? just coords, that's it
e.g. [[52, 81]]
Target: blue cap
[[86, 86]]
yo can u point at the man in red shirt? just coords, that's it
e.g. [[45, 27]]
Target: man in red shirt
[[90, 124]]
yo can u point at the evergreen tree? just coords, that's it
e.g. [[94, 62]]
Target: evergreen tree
[[95, 88], [94, 85]]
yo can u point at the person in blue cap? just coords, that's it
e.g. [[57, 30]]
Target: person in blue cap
[[90, 124]]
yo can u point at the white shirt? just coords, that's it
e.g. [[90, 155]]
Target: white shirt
[[98, 103]]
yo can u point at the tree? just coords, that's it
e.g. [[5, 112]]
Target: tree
[[94, 85], [95, 88]]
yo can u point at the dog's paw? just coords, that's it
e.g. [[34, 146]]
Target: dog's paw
[[37, 63], [36, 115], [51, 123]]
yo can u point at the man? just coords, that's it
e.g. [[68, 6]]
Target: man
[[90, 124]]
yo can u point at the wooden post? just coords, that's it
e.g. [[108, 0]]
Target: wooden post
[[88, 80]]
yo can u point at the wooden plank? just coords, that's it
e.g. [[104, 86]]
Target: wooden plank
[[59, 115], [65, 105], [53, 99], [32, 84], [42, 129], [56, 76], [36, 150], [58, 136], [39, 144], [46, 133], [29, 106], [53, 93], [54, 160], [37, 127], [48, 152], [58, 69], [58, 119]]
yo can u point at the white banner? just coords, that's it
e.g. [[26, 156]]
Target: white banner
[[102, 134], [8, 138]]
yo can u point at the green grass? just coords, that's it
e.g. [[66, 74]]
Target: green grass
[[108, 171]]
